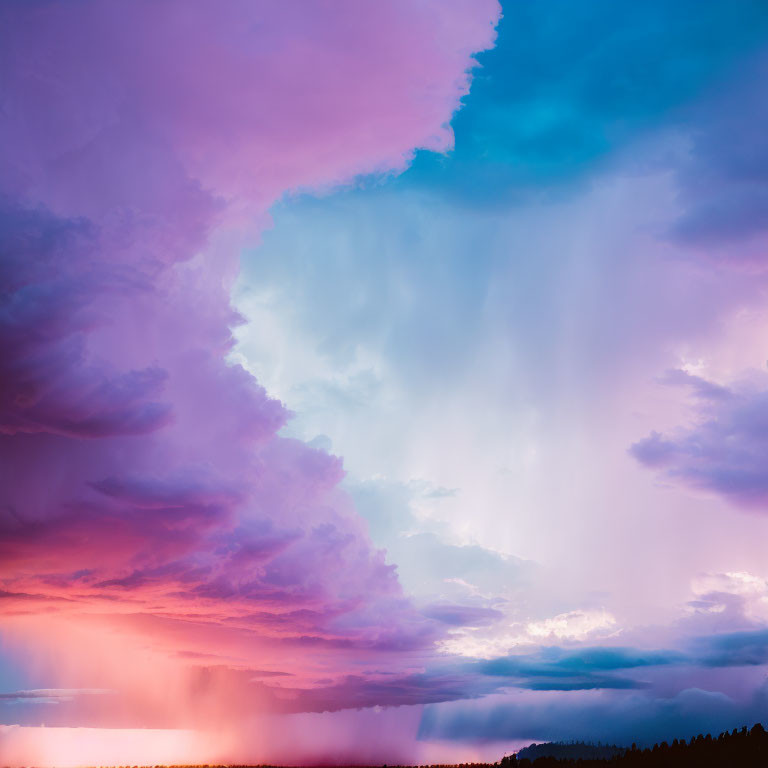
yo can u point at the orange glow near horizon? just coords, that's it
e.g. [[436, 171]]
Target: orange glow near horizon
[[45, 747], [74, 747]]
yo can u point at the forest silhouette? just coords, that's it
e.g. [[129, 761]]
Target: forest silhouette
[[742, 748]]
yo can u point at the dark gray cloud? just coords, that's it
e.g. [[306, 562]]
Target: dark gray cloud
[[734, 649], [557, 661], [619, 717], [725, 178]]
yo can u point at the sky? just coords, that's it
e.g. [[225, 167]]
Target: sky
[[380, 382]]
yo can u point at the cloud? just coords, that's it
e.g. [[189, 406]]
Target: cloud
[[160, 533], [556, 661], [736, 600], [614, 717], [56, 292], [148, 504], [500, 638], [52, 695], [574, 625], [723, 179], [734, 649], [462, 615], [429, 563], [571, 669], [724, 451]]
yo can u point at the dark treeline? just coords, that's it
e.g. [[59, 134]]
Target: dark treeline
[[571, 750], [738, 749]]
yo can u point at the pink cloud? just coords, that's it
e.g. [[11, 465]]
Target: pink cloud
[[150, 515]]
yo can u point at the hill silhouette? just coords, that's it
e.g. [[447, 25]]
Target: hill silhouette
[[736, 749]]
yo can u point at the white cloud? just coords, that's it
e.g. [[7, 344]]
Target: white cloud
[[713, 593], [573, 626]]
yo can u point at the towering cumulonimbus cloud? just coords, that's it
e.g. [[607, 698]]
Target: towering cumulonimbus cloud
[[155, 531]]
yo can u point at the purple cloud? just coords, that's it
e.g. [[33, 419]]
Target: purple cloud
[[725, 451], [143, 481]]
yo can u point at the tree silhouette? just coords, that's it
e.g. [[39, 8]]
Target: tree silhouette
[[743, 748]]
